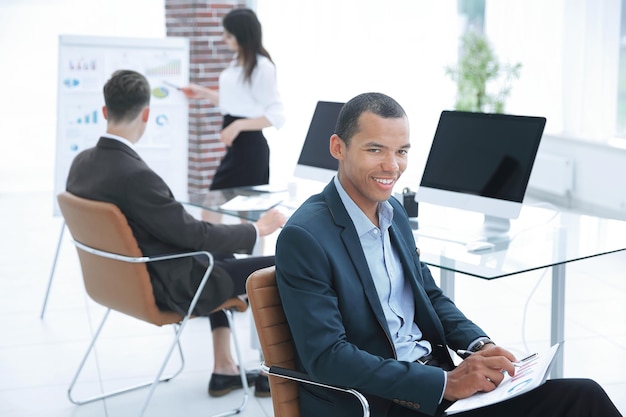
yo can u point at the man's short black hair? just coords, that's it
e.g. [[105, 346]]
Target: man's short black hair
[[125, 95], [376, 103]]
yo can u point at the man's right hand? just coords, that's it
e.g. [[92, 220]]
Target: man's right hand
[[270, 221], [480, 372]]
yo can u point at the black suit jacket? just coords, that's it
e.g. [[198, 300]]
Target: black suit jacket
[[113, 172]]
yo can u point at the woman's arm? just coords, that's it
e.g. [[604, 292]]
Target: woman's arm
[[195, 91], [265, 91], [230, 132]]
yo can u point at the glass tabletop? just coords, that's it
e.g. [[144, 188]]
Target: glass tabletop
[[214, 200], [255, 199], [538, 238]]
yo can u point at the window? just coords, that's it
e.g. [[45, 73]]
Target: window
[[621, 77], [474, 13]]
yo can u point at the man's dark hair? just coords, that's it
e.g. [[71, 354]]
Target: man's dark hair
[[125, 95], [376, 103]]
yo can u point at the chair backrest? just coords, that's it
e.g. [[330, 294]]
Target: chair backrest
[[275, 338], [121, 286]]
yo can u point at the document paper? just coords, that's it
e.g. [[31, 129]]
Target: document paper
[[531, 374], [260, 202]]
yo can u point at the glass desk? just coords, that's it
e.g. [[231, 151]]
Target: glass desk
[[212, 200], [539, 238]]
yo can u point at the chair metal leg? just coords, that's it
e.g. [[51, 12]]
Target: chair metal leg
[[244, 380], [52, 270], [157, 380]]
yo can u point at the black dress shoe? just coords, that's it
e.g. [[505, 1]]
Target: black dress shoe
[[220, 384], [262, 386]]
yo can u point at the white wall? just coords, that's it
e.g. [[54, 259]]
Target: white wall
[[569, 50], [519, 33], [333, 50], [599, 173], [326, 50], [29, 32]]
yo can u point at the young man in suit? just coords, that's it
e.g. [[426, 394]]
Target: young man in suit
[[112, 171], [365, 313]]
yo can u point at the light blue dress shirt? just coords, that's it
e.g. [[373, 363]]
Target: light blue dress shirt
[[394, 292]]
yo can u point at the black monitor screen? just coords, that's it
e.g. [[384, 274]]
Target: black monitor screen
[[489, 155], [315, 150]]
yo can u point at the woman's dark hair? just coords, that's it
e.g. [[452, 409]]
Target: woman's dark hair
[[377, 103], [244, 25]]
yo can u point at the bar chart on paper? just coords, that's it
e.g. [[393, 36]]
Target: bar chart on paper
[[86, 63]]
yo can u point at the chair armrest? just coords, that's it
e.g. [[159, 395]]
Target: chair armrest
[[146, 259], [234, 303], [305, 379], [291, 374], [205, 277]]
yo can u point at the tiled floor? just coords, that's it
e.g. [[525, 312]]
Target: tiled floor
[[39, 356]]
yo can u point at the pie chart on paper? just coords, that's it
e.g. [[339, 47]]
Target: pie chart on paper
[[160, 92]]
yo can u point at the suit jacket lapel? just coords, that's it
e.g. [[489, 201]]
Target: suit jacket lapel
[[353, 246], [425, 315]]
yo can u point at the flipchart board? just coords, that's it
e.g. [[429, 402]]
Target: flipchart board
[[85, 64]]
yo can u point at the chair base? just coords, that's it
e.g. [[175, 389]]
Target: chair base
[[178, 328]]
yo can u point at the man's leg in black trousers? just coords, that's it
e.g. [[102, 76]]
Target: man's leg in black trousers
[[225, 377], [239, 270], [555, 398]]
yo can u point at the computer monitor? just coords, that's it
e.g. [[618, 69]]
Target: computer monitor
[[481, 162], [315, 161]]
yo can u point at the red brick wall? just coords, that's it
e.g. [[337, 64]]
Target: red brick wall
[[201, 22]]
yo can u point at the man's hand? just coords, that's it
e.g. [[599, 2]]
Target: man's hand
[[270, 221], [481, 371]]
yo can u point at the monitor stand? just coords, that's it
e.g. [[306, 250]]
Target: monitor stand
[[495, 226], [495, 231]]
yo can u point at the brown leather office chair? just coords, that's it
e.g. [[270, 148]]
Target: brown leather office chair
[[116, 276], [278, 348]]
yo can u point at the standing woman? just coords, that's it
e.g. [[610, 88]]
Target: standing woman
[[248, 99]]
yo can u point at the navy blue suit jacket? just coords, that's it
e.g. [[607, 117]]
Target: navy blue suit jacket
[[337, 321]]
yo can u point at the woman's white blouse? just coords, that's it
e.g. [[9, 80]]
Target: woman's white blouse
[[256, 98]]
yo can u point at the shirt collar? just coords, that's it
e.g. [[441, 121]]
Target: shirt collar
[[120, 139], [362, 224]]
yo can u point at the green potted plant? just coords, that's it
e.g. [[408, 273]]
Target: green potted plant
[[477, 70]]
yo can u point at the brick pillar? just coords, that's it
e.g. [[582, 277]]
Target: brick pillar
[[201, 22]]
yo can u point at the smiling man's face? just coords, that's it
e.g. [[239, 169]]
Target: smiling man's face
[[374, 160]]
